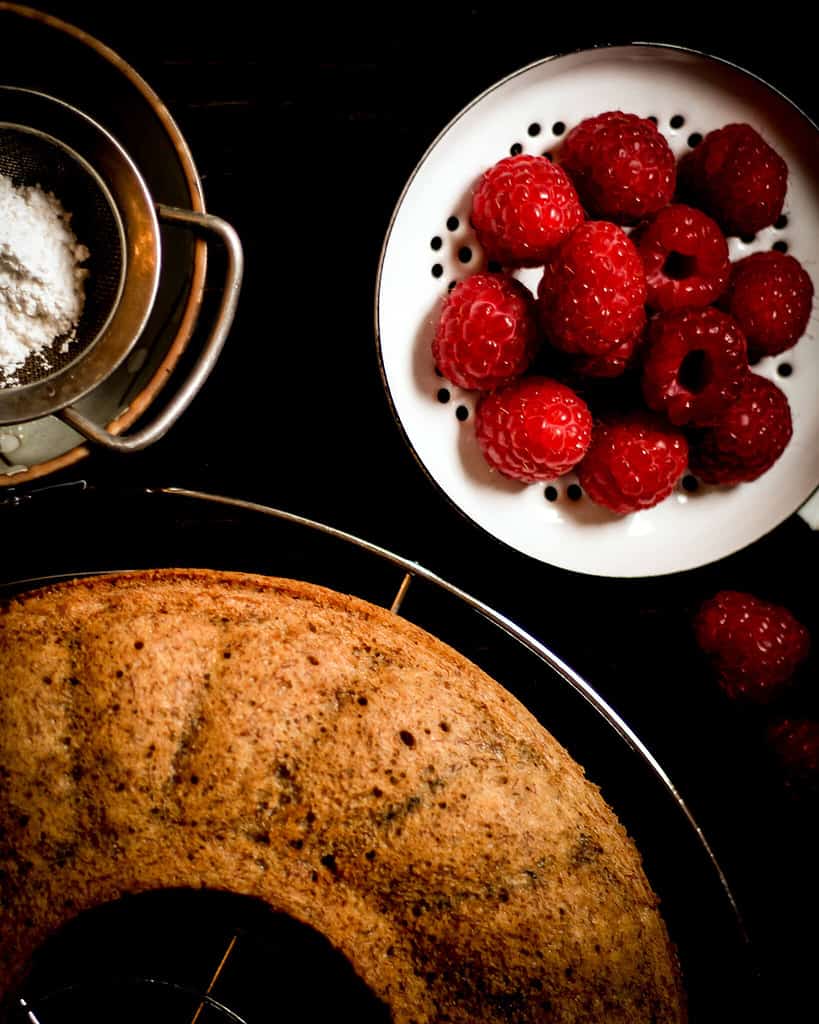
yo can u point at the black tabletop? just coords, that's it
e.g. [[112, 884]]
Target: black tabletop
[[304, 130]]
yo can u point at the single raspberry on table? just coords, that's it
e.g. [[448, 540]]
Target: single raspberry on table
[[736, 177], [754, 646], [695, 361], [487, 334], [685, 256], [633, 463], [522, 208], [622, 166], [592, 293], [795, 742], [747, 438], [770, 296], [533, 429]]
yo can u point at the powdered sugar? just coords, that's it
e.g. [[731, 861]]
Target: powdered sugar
[[42, 285]]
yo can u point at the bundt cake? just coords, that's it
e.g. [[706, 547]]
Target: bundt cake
[[273, 738]]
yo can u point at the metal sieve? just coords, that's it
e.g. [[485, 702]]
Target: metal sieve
[[32, 158], [48, 143]]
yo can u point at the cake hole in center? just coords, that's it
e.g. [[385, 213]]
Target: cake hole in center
[[678, 267], [694, 374], [111, 956]]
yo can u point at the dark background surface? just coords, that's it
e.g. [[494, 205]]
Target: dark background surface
[[304, 131]]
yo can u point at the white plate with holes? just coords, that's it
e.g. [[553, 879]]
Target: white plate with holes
[[430, 244]]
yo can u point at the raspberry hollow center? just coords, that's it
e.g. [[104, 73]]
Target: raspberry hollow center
[[678, 266], [695, 371]]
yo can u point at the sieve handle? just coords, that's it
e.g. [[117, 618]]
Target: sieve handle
[[210, 353]]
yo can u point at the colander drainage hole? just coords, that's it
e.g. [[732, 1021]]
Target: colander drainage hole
[[747, 239], [781, 223], [694, 139], [784, 369], [436, 243], [515, 148], [462, 413], [549, 155], [437, 270], [451, 285], [677, 121], [465, 254], [443, 396], [550, 493], [651, 117], [558, 128], [780, 247], [690, 483], [574, 492], [452, 223], [533, 129], [437, 372]]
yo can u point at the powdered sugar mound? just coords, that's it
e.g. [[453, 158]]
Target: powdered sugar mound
[[42, 285]]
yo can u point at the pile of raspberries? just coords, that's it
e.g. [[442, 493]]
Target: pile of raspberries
[[662, 305]]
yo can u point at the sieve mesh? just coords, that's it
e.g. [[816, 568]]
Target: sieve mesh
[[29, 158]]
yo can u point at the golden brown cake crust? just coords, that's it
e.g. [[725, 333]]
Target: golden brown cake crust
[[274, 738]]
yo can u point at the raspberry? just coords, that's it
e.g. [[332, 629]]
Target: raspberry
[[592, 293], [613, 363], [622, 166], [695, 363], [754, 646], [770, 296], [737, 178], [522, 208], [747, 438], [533, 429], [488, 332], [633, 462], [685, 256], [796, 745]]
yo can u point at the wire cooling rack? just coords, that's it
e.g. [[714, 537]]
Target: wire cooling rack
[[207, 957]]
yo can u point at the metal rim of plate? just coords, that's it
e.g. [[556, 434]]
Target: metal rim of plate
[[554, 522], [410, 570]]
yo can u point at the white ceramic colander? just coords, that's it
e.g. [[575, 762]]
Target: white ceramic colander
[[430, 244]]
